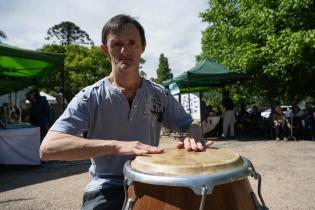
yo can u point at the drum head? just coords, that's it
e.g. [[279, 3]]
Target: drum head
[[180, 162]]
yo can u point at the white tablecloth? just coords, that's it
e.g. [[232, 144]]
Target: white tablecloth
[[20, 146]]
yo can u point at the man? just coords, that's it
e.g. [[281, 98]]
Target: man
[[40, 112], [228, 115], [122, 115]]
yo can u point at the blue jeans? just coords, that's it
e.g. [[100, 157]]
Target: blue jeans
[[104, 199]]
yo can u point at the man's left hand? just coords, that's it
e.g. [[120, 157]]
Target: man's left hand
[[194, 141]]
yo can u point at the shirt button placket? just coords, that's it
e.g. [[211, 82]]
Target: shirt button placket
[[132, 111]]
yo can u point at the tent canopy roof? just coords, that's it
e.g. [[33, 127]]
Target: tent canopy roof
[[204, 75], [19, 67], [16, 62]]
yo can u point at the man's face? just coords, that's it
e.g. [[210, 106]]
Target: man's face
[[124, 48]]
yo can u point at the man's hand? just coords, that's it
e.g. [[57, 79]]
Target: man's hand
[[194, 141], [135, 148]]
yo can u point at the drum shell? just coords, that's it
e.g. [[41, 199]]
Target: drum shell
[[231, 196]]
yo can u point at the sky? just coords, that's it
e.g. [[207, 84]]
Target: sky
[[172, 27]]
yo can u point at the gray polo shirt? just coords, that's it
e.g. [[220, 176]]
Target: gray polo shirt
[[104, 112]]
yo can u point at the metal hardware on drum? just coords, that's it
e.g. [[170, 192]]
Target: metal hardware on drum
[[256, 176], [257, 204], [128, 203], [203, 198], [201, 185], [193, 182]]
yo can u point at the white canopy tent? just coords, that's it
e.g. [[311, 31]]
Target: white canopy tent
[[19, 97], [50, 99]]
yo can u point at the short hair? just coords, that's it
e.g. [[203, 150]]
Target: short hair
[[117, 22], [35, 91]]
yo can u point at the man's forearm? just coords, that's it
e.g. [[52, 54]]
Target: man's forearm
[[60, 146]]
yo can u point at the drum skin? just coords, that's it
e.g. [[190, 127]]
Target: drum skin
[[175, 162]]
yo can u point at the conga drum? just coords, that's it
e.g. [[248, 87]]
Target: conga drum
[[216, 179]]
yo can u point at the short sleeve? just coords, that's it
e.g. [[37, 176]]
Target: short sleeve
[[176, 118], [75, 119]]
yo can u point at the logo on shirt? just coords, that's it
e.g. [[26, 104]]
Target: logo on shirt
[[157, 109]]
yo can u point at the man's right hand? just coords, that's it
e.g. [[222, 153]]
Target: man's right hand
[[135, 148]]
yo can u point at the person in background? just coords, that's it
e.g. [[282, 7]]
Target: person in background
[[242, 120], [203, 108], [5, 113], [16, 114], [39, 112], [297, 117], [219, 127], [228, 115], [281, 124], [255, 121], [210, 111], [58, 108], [122, 115], [219, 111]]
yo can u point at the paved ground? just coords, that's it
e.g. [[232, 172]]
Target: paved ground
[[287, 168]]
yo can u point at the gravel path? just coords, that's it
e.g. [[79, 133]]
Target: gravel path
[[287, 170]]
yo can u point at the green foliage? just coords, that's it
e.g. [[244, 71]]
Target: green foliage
[[66, 33], [213, 97], [142, 73], [83, 66], [273, 40], [52, 83], [163, 71]]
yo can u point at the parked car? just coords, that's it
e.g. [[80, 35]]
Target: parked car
[[286, 110]]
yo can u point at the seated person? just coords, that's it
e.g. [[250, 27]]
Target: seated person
[[211, 121], [219, 126], [255, 120], [298, 117], [242, 119], [281, 124], [203, 110], [15, 114], [211, 112]]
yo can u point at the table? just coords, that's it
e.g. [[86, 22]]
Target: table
[[20, 146]]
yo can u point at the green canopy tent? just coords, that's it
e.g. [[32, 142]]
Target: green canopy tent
[[19, 68], [205, 75], [10, 84]]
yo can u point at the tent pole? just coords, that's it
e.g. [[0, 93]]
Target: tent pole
[[188, 93], [201, 109]]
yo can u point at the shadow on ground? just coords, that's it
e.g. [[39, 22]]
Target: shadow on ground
[[12, 177]]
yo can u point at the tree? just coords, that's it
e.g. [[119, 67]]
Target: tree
[[2, 35], [66, 33], [143, 74], [83, 66], [142, 61], [273, 40], [163, 71]]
